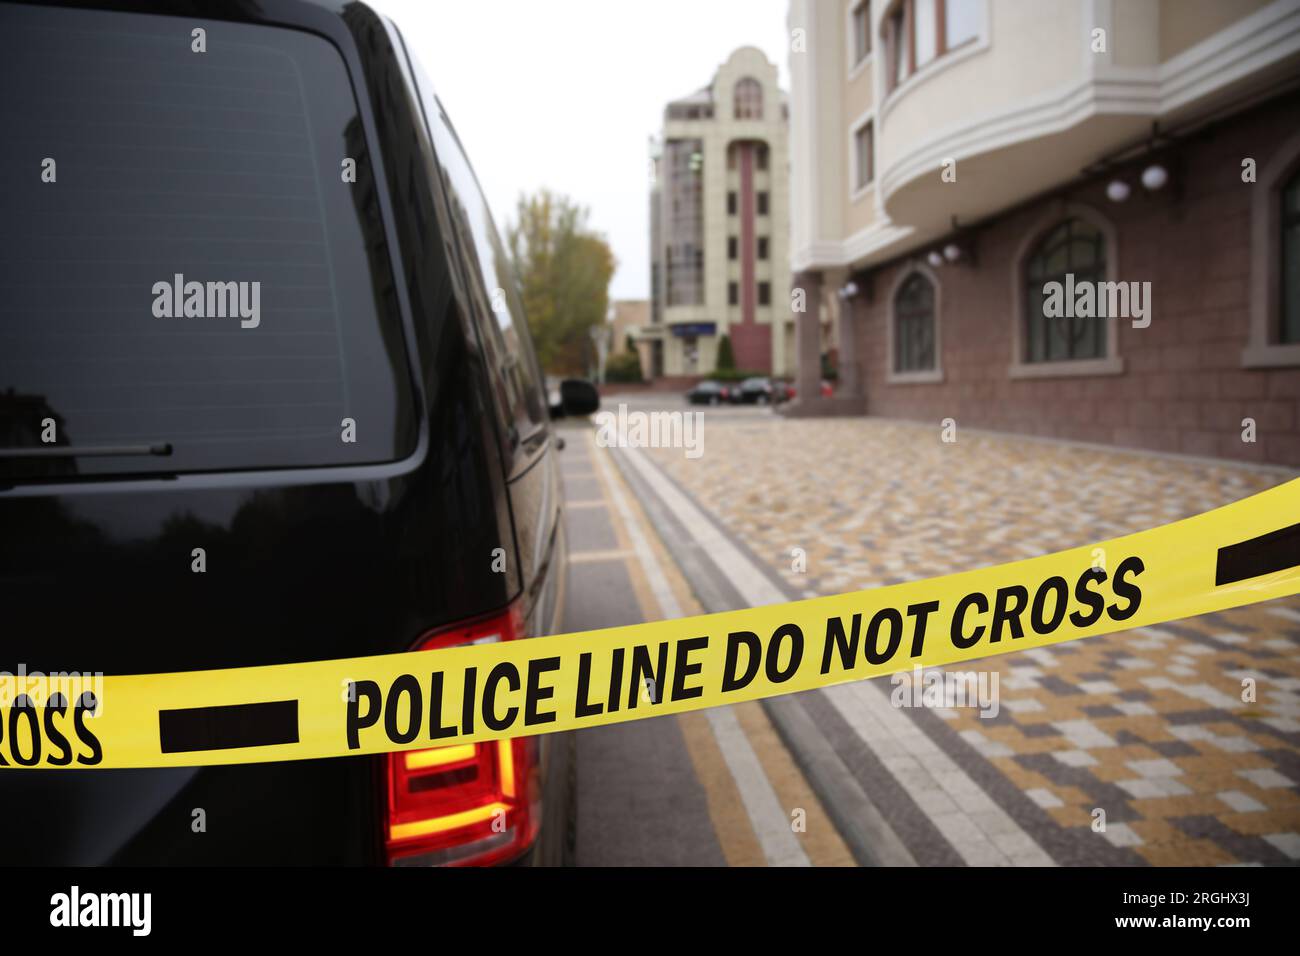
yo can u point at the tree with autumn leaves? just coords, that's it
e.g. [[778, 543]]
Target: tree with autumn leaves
[[563, 268]]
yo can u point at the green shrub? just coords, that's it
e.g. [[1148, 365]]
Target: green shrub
[[726, 358], [736, 374], [625, 367]]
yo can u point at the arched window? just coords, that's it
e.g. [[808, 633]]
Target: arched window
[[1290, 265], [1070, 254], [915, 341], [749, 99], [1275, 261]]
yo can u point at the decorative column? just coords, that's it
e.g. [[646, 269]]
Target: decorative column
[[850, 385], [808, 339]]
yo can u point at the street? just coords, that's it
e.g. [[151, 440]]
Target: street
[[702, 789], [1132, 749]]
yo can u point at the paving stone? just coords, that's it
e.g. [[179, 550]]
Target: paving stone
[[1241, 802], [1044, 798], [1102, 710], [1121, 834], [1288, 843], [1266, 778], [873, 503], [1173, 748], [1039, 730]]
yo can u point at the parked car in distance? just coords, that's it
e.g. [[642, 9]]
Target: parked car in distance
[[760, 390], [709, 392], [366, 461]]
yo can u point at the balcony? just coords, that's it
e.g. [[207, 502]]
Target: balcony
[[1022, 110]]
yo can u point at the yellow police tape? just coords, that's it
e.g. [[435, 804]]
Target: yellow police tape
[[1239, 554]]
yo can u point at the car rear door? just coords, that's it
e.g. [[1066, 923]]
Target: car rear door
[[186, 484]]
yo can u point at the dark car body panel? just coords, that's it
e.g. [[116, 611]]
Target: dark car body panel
[[708, 392], [301, 565]]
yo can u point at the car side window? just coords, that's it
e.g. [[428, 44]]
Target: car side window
[[493, 287]]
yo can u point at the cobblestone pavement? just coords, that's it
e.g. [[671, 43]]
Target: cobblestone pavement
[[1146, 725]]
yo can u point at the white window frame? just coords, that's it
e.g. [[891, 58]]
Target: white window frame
[[857, 192], [851, 52], [934, 67], [1263, 350], [929, 376]]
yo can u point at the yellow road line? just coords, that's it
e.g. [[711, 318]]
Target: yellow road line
[[731, 824], [820, 840], [587, 557]]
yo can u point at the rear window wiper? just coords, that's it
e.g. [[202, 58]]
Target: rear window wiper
[[161, 449]]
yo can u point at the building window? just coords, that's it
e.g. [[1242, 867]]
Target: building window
[[683, 222], [861, 32], [765, 293], [749, 99], [762, 204], [916, 32], [863, 156], [733, 247], [1289, 334], [897, 46], [689, 111], [1077, 249], [925, 32], [731, 203], [961, 22], [914, 326], [1275, 261], [762, 247], [760, 157], [733, 293]]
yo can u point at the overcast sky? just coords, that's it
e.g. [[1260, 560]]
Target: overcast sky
[[566, 93]]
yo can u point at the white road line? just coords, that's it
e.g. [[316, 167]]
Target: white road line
[[771, 821], [767, 817], [744, 576], [663, 594], [980, 831]]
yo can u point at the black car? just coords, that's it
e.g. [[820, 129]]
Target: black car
[[257, 407], [759, 390], [708, 393]]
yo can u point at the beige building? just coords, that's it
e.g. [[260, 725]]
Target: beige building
[[719, 226], [627, 319], [953, 160]]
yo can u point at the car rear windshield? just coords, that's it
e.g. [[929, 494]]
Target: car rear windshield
[[193, 270]]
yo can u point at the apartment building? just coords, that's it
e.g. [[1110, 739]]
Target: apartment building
[[719, 226], [956, 163]]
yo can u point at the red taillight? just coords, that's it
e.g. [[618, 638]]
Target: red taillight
[[466, 804]]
